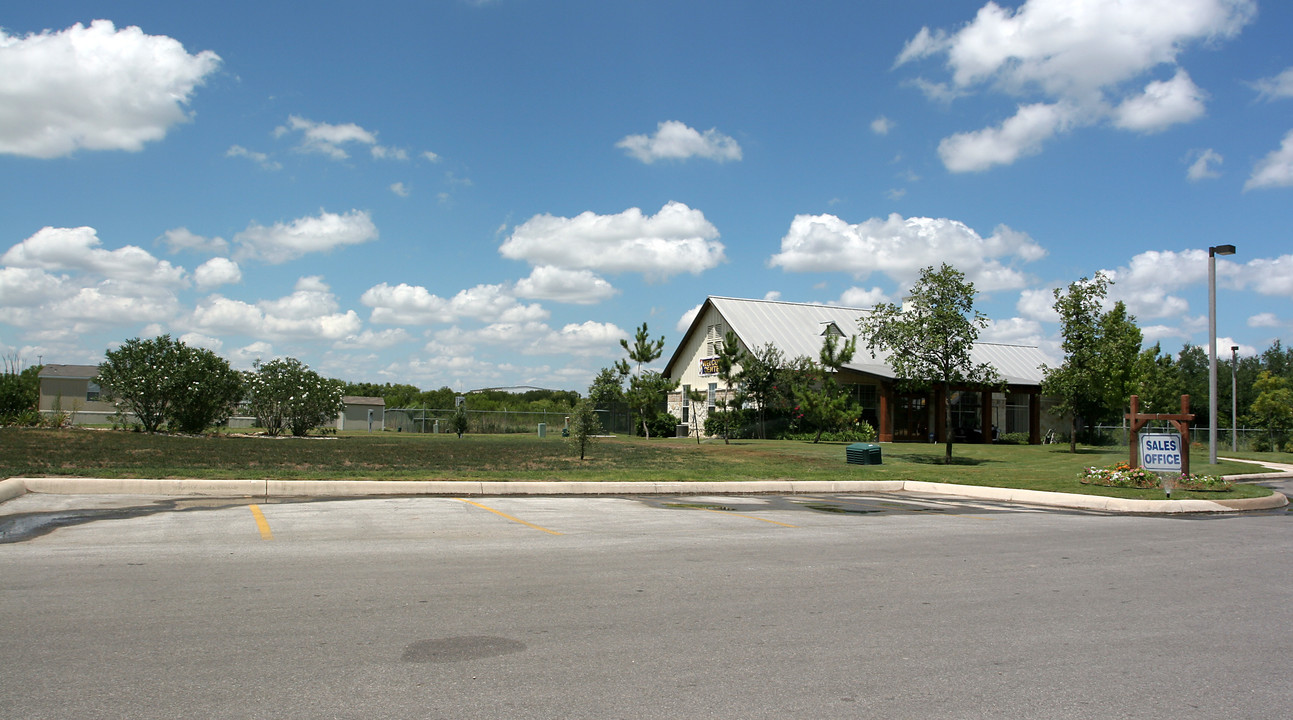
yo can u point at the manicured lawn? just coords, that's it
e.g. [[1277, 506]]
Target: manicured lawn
[[406, 456]]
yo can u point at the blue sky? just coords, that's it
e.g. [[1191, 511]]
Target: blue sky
[[480, 194]]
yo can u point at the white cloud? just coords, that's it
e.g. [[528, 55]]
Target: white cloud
[[95, 87], [882, 125], [583, 339], [29, 287], [675, 141], [1017, 137], [581, 287], [862, 298], [181, 239], [197, 340], [1275, 88], [259, 158], [1163, 104], [1078, 56], [216, 272], [309, 313], [414, 305], [324, 138], [1013, 331], [687, 318], [675, 240], [1268, 276], [79, 249], [1037, 305], [400, 189], [1276, 169], [431, 157], [900, 247], [1204, 165], [368, 339], [1268, 320], [282, 242]]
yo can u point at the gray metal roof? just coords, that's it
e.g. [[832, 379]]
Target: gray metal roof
[[797, 328], [73, 372]]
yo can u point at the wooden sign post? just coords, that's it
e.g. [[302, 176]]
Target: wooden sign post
[[1181, 421]]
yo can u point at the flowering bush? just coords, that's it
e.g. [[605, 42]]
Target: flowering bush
[[1125, 476], [287, 395]]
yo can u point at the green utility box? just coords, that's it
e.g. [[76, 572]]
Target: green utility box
[[863, 454]]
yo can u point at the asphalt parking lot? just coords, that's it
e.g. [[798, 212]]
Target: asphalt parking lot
[[637, 607]]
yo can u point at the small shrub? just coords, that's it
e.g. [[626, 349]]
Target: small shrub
[[1261, 444], [664, 425], [1012, 439]]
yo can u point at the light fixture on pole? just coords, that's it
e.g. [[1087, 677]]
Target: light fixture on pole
[[1234, 398], [1213, 252]]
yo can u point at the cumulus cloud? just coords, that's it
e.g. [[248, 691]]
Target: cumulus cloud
[[1204, 165], [580, 287], [583, 339], [882, 125], [370, 340], [182, 239], [331, 140], [1267, 320], [673, 140], [79, 249], [310, 312], [400, 189], [1276, 169], [405, 304], [687, 318], [675, 240], [1161, 105], [862, 297], [1268, 276], [259, 158], [1078, 60], [216, 272], [899, 247], [1274, 88], [287, 241], [96, 87]]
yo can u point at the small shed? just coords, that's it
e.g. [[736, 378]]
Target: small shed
[[362, 413], [71, 389]]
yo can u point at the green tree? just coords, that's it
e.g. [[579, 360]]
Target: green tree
[[208, 391], [1078, 381], [1273, 407], [1192, 380], [931, 337], [729, 358], [1156, 382], [458, 421], [762, 374], [607, 388], [19, 392], [646, 389], [163, 381], [1120, 341], [584, 426], [285, 394]]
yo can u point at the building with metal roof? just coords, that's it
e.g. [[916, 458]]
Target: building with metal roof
[[797, 329]]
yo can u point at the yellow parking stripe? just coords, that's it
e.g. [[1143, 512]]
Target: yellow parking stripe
[[261, 523], [509, 517], [748, 517]]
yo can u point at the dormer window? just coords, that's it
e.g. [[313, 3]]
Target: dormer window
[[830, 328]]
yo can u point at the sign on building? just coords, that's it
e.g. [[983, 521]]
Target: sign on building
[[709, 366], [1160, 452]]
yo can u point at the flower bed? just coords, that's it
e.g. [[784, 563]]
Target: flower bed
[[1125, 476]]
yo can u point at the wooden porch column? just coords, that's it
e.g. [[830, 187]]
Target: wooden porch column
[[1034, 417], [885, 431], [985, 415]]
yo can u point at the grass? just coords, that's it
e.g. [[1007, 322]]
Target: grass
[[406, 456]]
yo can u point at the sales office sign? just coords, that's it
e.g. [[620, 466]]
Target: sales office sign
[[1160, 452]]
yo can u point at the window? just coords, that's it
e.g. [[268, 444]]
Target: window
[[714, 339], [686, 403], [712, 400], [92, 392]]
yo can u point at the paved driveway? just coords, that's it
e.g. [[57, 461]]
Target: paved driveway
[[721, 607]]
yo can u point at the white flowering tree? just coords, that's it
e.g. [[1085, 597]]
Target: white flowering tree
[[286, 394], [163, 381]]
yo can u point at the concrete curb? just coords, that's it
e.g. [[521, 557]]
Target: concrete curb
[[268, 489]]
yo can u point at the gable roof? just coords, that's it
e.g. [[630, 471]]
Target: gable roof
[[796, 329], [71, 372]]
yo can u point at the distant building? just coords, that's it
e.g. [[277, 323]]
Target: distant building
[[362, 413], [71, 389], [797, 329]]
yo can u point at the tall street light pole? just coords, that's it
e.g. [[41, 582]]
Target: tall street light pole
[[1213, 252], [1234, 398]]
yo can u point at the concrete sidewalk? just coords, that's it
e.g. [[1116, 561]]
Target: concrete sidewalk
[[270, 489]]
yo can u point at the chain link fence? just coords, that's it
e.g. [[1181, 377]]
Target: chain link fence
[[1247, 439], [436, 420]]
